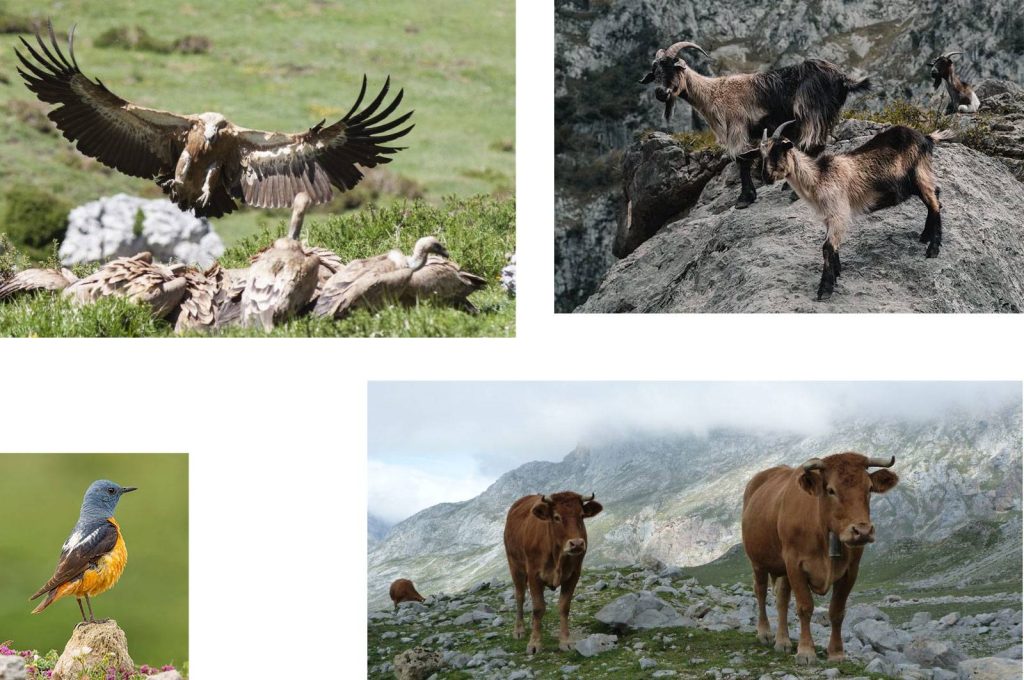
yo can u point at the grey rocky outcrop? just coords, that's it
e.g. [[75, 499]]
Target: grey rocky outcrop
[[767, 258], [123, 225], [640, 611]]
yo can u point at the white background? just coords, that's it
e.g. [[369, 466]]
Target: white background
[[276, 428]]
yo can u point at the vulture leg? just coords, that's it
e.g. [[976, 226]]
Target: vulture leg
[[212, 176]]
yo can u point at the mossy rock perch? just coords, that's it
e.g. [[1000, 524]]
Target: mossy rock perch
[[94, 646]]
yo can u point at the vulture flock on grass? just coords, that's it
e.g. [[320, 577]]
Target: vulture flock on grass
[[207, 164], [286, 280]]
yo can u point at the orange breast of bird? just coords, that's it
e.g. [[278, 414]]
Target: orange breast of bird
[[104, 575]]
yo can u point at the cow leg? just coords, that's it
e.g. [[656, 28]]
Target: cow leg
[[519, 583], [782, 641], [537, 596], [804, 608], [764, 631], [836, 611], [564, 600]]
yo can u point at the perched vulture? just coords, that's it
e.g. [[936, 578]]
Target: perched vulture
[[30, 280], [443, 281], [282, 280], [203, 292], [202, 161], [137, 278], [373, 282]]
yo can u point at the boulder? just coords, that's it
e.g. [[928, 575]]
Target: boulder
[[592, 645], [989, 668], [417, 664], [107, 228], [166, 675], [12, 667], [934, 653], [94, 646], [861, 612], [639, 611], [878, 634], [767, 258]]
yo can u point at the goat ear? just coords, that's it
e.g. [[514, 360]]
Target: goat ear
[[784, 144], [648, 78], [750, 155], [680, 64]]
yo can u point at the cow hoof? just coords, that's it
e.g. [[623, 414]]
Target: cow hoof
[[806, 658], [533, 648], [836, 657], [565, 646], [783, 646], [518, 634], [765, 637]]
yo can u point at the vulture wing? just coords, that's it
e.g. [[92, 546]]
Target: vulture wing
[[134, 140], [276, 166]]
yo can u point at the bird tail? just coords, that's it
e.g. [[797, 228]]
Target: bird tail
[[51, 596]]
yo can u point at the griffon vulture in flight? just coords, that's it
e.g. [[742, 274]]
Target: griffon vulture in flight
[[203, 161]]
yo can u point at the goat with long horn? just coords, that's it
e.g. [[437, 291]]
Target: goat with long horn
[[962, 98]]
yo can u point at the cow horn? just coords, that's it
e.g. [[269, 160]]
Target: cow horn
[[673, 50], [813, 464], [546, 499], [587, 500], [881, 462], [778, 131]]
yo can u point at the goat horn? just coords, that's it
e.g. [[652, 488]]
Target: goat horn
[[587, 500], [778, 131], [546, 499], [673, 50], [813, 464], [947, 55], [881, 462], [764, 135]]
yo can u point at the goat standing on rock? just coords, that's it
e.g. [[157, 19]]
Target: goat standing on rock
[[884, 171], [961, 96], [738, 107]]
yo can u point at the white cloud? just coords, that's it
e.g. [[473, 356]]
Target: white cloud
[[397, 491]]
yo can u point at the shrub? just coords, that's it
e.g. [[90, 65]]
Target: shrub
[[34, 220]]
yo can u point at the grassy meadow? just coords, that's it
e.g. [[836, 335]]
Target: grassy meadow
[[150, 602]]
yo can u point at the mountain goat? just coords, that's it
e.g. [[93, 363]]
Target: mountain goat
[[961, 96]]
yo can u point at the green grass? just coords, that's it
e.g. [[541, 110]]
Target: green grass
[[477, 231], [150, 602], [285, 67]]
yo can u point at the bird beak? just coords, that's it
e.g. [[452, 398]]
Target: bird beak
[[129, 488], [443, 252]]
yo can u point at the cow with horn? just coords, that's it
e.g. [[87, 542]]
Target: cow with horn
[[545, 542], [806, 528]]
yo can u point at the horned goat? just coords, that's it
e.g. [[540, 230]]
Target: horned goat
[[738, 107], [961, 96], [882, 172]]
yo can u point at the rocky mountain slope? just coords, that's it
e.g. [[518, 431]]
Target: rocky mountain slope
[[376, 528], [602, 49], [641, 622], [676, 499]]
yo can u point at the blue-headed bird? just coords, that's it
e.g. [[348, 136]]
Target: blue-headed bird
[[93, 557]]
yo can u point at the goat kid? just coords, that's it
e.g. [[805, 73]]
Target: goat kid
[[882, 172], [961, 96], [738, 107]]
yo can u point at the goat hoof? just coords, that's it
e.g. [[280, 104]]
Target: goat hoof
[[794, 197], [825, 292], [744, 202], [926, 237], [933, 251]]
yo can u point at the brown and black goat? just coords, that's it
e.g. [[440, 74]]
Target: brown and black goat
[[884, 171], [738, 107], [962, 98]]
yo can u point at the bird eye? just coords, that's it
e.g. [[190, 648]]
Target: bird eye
[[111, 491]]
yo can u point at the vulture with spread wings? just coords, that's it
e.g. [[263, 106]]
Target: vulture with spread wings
[[202, 161]]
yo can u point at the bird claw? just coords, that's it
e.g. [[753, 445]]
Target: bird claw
[[204, 198]]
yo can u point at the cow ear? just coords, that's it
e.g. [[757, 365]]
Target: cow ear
[[810, 481], [883, 480], [591, 508], [542, 511], [648, 78]]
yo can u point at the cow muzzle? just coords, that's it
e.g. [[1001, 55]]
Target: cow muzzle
[[860, 533], [575, 546]]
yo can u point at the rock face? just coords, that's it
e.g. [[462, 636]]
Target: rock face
[[94, 646], [767, 258], [107, 228], [602, 49], [12, 668]]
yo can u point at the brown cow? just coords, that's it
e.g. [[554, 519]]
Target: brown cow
[[545, 541], [807, 527], [402, 590]]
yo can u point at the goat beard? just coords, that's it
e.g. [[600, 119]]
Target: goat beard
[[670, 104]]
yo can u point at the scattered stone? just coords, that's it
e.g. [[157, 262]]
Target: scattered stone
[[639, 611], [989, 668], [666, 673], [12, 668], [878, 634], [592, 645], [934, 653], [417, 664], [949, 619], [646, 663]]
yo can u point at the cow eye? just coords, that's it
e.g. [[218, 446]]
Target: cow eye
[[558, 518]]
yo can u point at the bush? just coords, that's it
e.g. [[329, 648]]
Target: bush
[[34, 220], [138, 38]]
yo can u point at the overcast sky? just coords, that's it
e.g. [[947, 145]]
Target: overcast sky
[[447, 441]]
